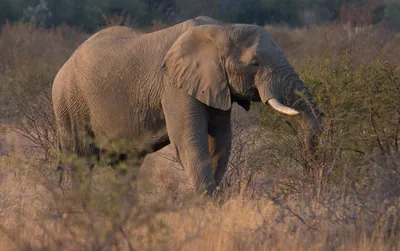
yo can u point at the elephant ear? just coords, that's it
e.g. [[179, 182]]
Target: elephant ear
[[194, 64]]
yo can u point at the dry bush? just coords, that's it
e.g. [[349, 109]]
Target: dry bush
[[38, 214], [29, 220], [354, 175], [31, 57], [365, 45], [357, 14], [362, 119], [245, 164]]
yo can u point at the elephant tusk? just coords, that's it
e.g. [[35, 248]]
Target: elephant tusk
[[274, 103]]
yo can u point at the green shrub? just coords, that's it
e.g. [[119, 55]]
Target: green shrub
[[361, 127]]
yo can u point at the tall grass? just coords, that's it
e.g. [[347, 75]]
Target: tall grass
[[274, 197]]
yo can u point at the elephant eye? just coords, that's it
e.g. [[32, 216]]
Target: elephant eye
[[255, 62]]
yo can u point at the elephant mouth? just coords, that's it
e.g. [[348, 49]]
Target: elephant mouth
[[247, 95], [252, 94]]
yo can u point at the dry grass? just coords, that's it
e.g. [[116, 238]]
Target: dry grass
[[366, 44], [30, 221], [269, 202]]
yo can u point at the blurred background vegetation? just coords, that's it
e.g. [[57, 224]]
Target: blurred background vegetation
[[90, 14]]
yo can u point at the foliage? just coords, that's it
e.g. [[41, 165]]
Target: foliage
[[361, 127], [392, 14], [90, 14]]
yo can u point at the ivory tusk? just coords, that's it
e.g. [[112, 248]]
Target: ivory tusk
[[274, 103]]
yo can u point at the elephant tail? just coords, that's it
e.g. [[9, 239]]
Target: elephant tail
[[59, 166]]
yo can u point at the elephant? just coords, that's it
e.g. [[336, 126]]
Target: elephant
[[176, 86]]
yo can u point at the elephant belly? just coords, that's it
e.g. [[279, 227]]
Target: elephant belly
[[134, 125]]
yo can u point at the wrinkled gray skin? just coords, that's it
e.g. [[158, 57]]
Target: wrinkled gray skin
[[178, 84]]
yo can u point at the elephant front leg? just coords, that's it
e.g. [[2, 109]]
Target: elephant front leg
[[199, 166], [191, 142], [220, 142], [187, 126]]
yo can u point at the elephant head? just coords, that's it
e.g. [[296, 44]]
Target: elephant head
[[222, 64]]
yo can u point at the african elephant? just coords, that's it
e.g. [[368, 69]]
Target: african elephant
[[176, 85]]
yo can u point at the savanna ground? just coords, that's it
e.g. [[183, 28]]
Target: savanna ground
[[275, 196]]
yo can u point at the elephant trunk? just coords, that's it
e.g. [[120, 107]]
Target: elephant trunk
[[297, 96], [287, 94]]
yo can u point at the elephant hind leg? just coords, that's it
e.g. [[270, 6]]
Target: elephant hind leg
[[88, 155], [160, 140], [59, 163], [220, 143], [116, 159], [78, 154]]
